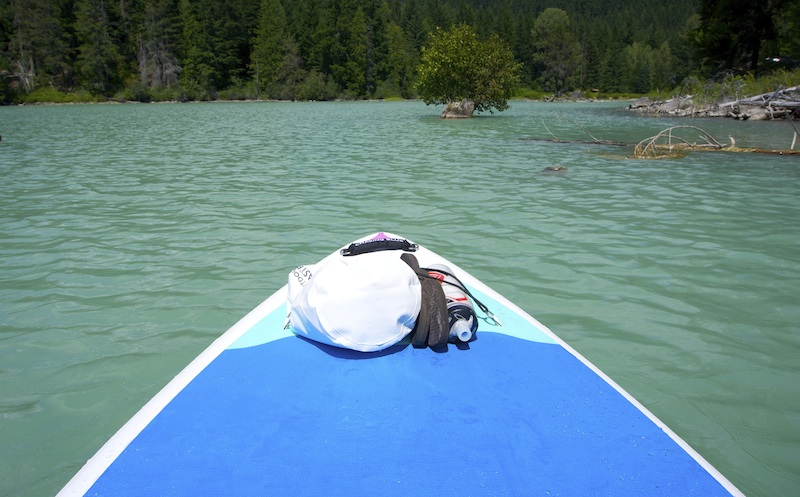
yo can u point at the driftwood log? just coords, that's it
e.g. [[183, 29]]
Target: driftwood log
[[672, 142], [668, 143], [782, 103]]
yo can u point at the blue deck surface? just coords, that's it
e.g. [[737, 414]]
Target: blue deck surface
[[507, 417]]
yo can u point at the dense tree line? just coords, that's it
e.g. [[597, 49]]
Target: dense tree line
[[324, 49]]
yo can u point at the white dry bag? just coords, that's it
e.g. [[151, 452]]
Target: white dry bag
[[365, 302]]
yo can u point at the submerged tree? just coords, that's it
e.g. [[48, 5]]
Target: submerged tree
[[456, 66]]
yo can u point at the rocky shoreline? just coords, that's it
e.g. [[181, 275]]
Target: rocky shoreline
[[779, 104]]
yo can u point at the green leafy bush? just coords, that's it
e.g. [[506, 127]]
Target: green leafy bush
[[48, 94], [456, 65]]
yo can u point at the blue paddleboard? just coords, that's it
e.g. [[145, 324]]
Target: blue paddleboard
[[516, 412]]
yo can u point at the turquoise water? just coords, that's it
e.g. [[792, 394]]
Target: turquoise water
[[133, 235]]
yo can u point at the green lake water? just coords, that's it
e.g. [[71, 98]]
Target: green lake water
[[131, 236]]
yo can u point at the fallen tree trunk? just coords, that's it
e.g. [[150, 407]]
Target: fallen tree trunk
[[667, 144], [782, 103], [781, 96]]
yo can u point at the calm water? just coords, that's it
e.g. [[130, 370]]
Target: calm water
[[131, 236]]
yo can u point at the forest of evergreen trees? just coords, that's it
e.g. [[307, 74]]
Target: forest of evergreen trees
[[324, 49]]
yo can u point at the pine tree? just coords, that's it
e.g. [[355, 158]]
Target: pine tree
[[325, 42], [594, 41], [157, 40], [614, 72], [351, 71], [732, 32], [787, 22], [401, 59], [556, 50], [342, 43], [377, 65], [663, 72], [233, 25], [412, 24], [38, 44], [640, 61], [197, 54], [302, 17], [270, 45], [100, 65], [436, 15]]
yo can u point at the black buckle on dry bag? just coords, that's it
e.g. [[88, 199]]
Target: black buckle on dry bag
[[368, 246]]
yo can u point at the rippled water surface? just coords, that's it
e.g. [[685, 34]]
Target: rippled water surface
[[133, 235]]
